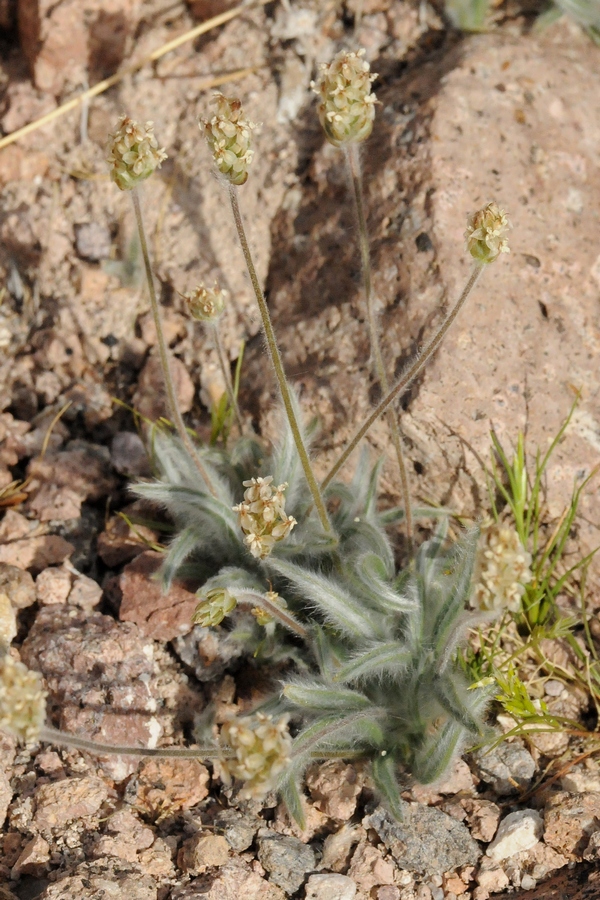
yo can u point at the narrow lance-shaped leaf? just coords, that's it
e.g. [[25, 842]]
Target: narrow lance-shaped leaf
[[320, 697], [453, 697], [437, 752], [380, 659], [384, 771]]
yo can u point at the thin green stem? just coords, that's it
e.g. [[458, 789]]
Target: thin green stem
[[277, 362], [163, 352], [355, 172], [405, 380], [248, 597], [227, 376], [62, 739]]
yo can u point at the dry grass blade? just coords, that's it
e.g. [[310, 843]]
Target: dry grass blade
[[107, 83]]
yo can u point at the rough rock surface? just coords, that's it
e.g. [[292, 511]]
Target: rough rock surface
[[519, 830], [509, 767], [286, 859], [570, 819], [231, 882], [159, 615], [106, 878], [427, 842]]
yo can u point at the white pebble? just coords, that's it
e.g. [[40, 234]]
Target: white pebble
[[520, 830]]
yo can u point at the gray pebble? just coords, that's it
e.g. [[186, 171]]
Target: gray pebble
[[286, 859]]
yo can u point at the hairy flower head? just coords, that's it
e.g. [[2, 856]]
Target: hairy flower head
[[347, 105], [261, 748], [262, 516], [8, 621], [205, 304], [22, 699], [228, 134], [213, 607], [133, 153], [486, 233], [504, 569]]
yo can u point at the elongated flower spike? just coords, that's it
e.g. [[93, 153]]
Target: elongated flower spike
[[134, 153], [22, 700], [347, 107], [486, 233], [228, 134], [262, 516], [504, 570], [262, 749]]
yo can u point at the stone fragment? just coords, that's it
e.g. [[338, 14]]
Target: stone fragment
[[160, 616], [238, 829], [369, 868], [157, 860], [428, 842], [592, 851], [93, 241], [149, 398], [164, 787], [36, 553], [231, 882], [334, 787], [60, 802], [85, 593], [53, 585], [581, 779], [14, 526], [33, 858], [73, 41], [539, 861], [483, 817], [458, 780], [101, 678], [83, 468], [207, 651], [18, 585], [202, 851], [5, 795], [337, 847], [330, 887], [388, 892], [286, 859], [106, 878], [128, 455], [491, 878], [120, 542], [519, 830], [570, 819], [55, 503], [509, 767]]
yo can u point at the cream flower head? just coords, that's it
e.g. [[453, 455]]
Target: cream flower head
[[213, 607], [347, 105], [486, 233], [133, 153], [262, 516], [228, 134], [261, 751], [504, 569]]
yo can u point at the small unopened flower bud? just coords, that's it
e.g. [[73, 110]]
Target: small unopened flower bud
[[205, 304], [486, 233], [228, 134], [133, 153], [261, 748], [213, 607], [22, 700], [347, 106], [262, 516]]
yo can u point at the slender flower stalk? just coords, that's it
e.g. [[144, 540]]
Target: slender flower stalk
[[355, 172], [163, 351], [62, 739], [248, 597], [407, 378], [277, 362], [227, 376]]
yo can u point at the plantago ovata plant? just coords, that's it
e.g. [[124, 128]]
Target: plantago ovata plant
[[305, 574]]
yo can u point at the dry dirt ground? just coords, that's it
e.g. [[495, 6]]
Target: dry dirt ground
[[510, 115]]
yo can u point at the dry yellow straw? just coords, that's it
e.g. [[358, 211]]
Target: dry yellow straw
[[134, 67]]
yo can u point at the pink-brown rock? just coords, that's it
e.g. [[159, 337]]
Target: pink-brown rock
[[120, 542], [369, 867], [53, 585], [36, 553], [483, 817], [5, 795], [73, 41], [101, 676], [334, 787], [14, 526], [158, 615], [163, 787], [108, 878], [17, 585], [203, 851], [63, 801], [85, 593], [83, 469], [569, 821], [33, 859], [149, 398], [232, 881]]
